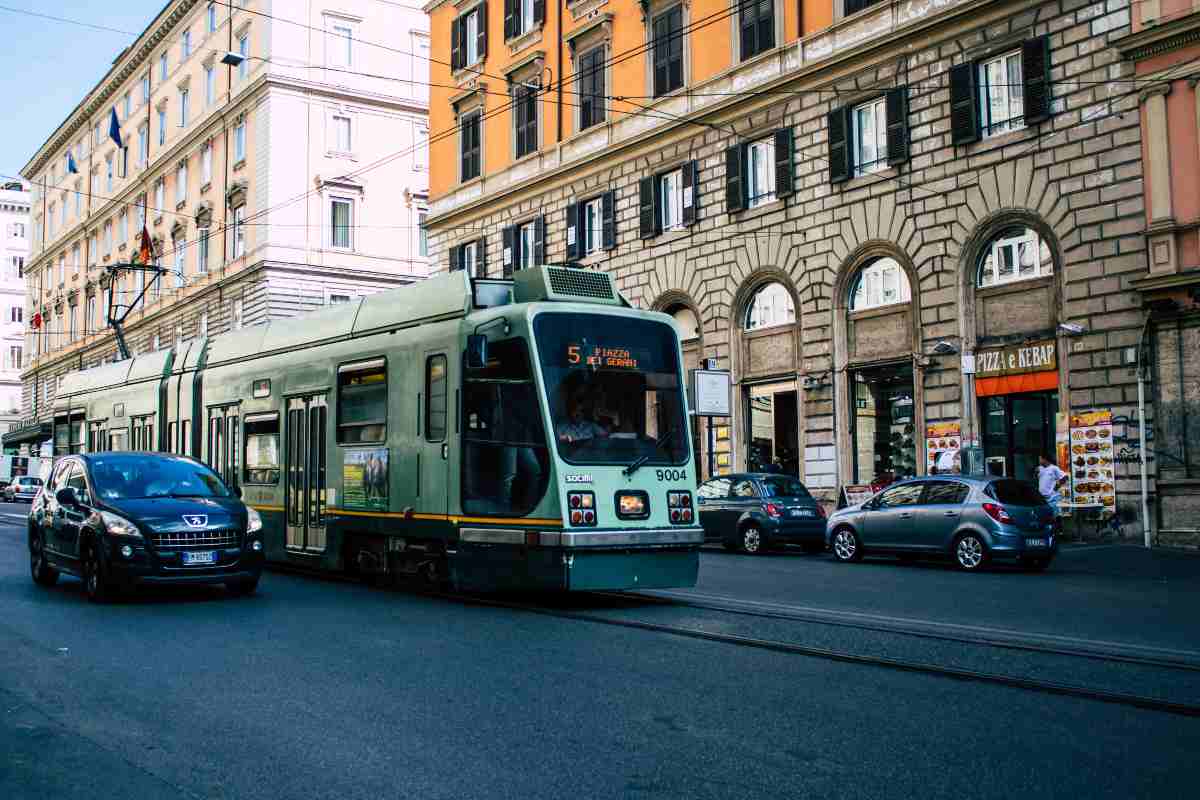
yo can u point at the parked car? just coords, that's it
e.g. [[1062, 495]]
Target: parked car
[[24, 488], [971, 519], [119, 520], [754, 512]]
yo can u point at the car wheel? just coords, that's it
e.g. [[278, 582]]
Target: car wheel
[[242, 588], [43, 574], [95, 581], [752, 541], [846, 546], [970, 553], [1037, 564]]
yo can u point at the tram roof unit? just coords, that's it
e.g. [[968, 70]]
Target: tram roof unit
[[435, 299]]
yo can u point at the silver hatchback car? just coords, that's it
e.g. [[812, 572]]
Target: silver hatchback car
[[971, 519], [24, 489]]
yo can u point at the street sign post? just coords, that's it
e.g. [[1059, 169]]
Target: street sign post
[[712, 396]]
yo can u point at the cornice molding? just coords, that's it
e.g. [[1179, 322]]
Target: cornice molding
[[134, 57], [1158, 39]]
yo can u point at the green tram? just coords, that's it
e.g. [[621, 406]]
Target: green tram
[[528, 433]]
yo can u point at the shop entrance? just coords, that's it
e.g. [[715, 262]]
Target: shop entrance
[[774, 422], [883, 425], [1017, 428]]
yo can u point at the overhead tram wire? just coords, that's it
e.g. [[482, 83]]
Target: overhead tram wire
[[616, 58]]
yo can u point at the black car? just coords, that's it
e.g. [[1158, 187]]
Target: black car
[[119, 520], [754, 512]]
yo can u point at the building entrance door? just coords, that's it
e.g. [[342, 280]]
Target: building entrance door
[[1017, 428], [307, 420], [774, 422]]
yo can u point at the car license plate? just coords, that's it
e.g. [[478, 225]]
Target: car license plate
[[202, 557], [1035, 542], [802, 512]]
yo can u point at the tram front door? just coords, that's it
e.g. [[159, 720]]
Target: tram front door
[[307, 419]]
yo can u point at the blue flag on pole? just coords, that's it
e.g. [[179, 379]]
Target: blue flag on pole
[[114, 128], [71, 166]]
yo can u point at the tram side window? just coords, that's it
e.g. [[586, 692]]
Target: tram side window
[[173, 437], [435, 398], [362, 402], [262, 449], [506, 463]]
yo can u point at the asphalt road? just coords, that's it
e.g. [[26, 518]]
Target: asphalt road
[[320, 689]]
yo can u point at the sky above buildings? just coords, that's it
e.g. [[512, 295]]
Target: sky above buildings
[[47, 66]]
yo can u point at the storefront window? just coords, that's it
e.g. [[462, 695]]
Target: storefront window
[[771, 305], [880, 283], [774, 429], [884, 425], [1016, 254]]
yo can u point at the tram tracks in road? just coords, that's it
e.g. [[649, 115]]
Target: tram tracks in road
[[1048, 644], [555, 609], [914, 666]]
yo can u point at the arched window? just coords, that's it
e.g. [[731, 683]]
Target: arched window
[[880, 283], [686, 324], [771, 305], [1015, 254]]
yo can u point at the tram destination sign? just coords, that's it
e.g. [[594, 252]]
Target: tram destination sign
[[1016, 359], [603, 356]]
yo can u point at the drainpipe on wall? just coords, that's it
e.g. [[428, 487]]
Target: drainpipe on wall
[[1142, 457], [558, 101]]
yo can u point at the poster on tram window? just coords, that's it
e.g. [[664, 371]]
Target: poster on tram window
[[943, 448], [1093, 477], [365, 479]]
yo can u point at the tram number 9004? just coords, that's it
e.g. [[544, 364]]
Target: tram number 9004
[[670, 474]]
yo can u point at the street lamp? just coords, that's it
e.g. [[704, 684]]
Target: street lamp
[[233, 59]]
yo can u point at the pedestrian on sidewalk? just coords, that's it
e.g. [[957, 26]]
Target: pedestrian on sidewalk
[[1050, 480]]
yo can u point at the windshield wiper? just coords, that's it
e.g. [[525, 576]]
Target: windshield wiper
[[641, 460]]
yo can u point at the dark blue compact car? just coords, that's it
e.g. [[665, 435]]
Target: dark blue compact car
[[121, 519], [755, 511]]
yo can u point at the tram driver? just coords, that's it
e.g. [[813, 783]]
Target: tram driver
[[577, 428]]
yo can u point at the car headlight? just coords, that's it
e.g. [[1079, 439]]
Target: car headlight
[[253, 520], [119, 526]]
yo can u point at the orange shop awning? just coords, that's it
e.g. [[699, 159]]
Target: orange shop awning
[[1012, 384]]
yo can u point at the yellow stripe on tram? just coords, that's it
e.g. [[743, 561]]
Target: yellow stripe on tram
[[447, 517]]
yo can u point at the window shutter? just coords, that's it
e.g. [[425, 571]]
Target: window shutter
[[840, 155], [1035, 66], [455, 257], [608, 215], [896, 101], [510, 18], [661, 46], [456, 51], [785, 163], [573, 232], [481, 257], [735, 185], [509, 255], [691, 192], [646, 207], [964, 104], [539, 12], [481, 37], [539, 241]]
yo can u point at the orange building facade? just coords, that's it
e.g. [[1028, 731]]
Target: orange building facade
[[905, 228]]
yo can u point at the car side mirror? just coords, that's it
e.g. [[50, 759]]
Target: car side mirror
[[477, 351], [66, 497]]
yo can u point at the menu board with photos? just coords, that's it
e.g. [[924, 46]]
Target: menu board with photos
[[943, 448], [1093, 478]]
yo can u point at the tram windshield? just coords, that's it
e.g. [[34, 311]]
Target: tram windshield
[[613, 389]]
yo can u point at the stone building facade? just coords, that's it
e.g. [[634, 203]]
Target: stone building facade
[[276, 157], [972, 268]]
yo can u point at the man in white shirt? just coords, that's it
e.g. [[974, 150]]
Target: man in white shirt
[[1050, 479], [577, 429]]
